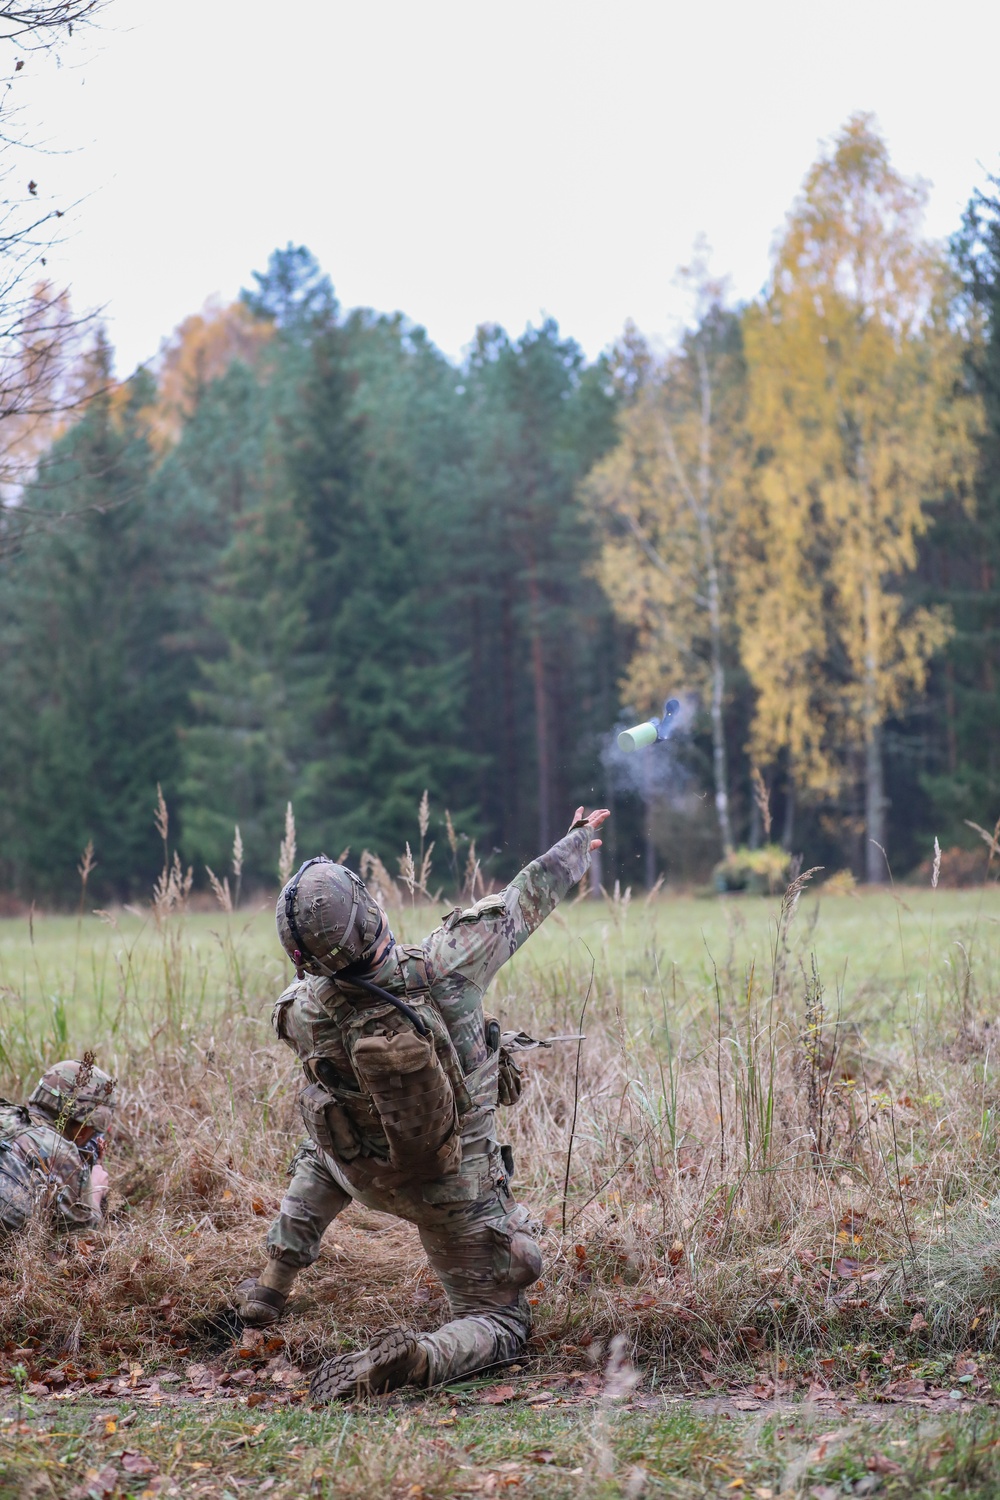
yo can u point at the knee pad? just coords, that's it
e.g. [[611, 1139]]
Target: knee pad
[[517, 1259]]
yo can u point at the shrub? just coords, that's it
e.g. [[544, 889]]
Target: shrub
[[761, 872]]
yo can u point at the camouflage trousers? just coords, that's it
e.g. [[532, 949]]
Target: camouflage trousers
[[482, 1249]]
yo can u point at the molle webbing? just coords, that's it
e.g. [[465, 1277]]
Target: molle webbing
[[414, 974], [414, 1098]]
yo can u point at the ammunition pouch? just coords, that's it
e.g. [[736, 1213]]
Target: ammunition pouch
[[328, 1124], [414, 1099]]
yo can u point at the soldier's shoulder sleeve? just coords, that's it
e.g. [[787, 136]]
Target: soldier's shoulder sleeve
[[280, 1011], [14, 1118], [470, 939]]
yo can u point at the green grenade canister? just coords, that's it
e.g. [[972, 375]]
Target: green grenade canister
[[639, 736]]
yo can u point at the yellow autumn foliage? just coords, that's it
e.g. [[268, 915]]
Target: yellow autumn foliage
[[859, 423], [199, 351]]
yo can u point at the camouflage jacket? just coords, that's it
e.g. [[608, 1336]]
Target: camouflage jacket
[[446, 976], [41, 1171]]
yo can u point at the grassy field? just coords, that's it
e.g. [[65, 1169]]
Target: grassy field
[[88, 978], [782, 1214]]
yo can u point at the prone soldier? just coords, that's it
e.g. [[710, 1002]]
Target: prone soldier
[[403, 1075], [51, 1150]]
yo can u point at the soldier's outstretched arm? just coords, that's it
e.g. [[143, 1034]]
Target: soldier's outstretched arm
[[478, 942]]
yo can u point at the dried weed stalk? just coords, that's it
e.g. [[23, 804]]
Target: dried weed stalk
[[286, 854]]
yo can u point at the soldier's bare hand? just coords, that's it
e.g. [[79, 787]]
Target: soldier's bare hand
[[100, 1182], [592, 820]]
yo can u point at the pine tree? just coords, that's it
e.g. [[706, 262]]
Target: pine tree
[[340, 683], [538, 624], [93, 674], [960, 563]]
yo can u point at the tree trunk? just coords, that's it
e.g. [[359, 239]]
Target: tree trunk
[[951, 736], [875, 858], [719, 768], [756, 834], [788, 827], [541, 717], [509, 771]]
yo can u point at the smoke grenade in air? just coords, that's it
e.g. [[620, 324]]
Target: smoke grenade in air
[[641, 735]]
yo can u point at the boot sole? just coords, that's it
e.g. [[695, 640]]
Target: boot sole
[[385, 1366]]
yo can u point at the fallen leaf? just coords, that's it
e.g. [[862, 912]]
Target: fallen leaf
[[917, 1322], [101, 1482], [879, 1464], [496, 1395], [134, 1462], [911, 1387]]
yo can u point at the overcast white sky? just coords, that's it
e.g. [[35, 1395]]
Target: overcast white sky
[[468, 162]]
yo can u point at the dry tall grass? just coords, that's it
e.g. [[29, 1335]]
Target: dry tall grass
[[752, 1183]]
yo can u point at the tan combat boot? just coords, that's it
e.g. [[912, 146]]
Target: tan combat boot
[[393, 1360], [260, 1300]]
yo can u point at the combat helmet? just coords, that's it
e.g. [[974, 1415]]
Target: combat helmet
[[76, 1093], [327, 917]]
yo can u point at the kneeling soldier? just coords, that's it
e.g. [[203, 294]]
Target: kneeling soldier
[[403, 1078], [51, 1149]]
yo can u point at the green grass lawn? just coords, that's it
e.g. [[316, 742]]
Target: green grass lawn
[[72, 981], [449, 1446]]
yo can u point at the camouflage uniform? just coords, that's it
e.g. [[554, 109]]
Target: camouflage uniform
[[41, 1170], [478, 1239]]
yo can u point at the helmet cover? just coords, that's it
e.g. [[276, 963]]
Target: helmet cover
[[327, 917], [76, 1093]]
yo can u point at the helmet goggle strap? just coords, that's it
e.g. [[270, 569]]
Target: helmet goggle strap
[[302, 951]]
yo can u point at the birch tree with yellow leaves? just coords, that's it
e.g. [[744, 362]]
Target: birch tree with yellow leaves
[[859, 422], [669, 495]]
